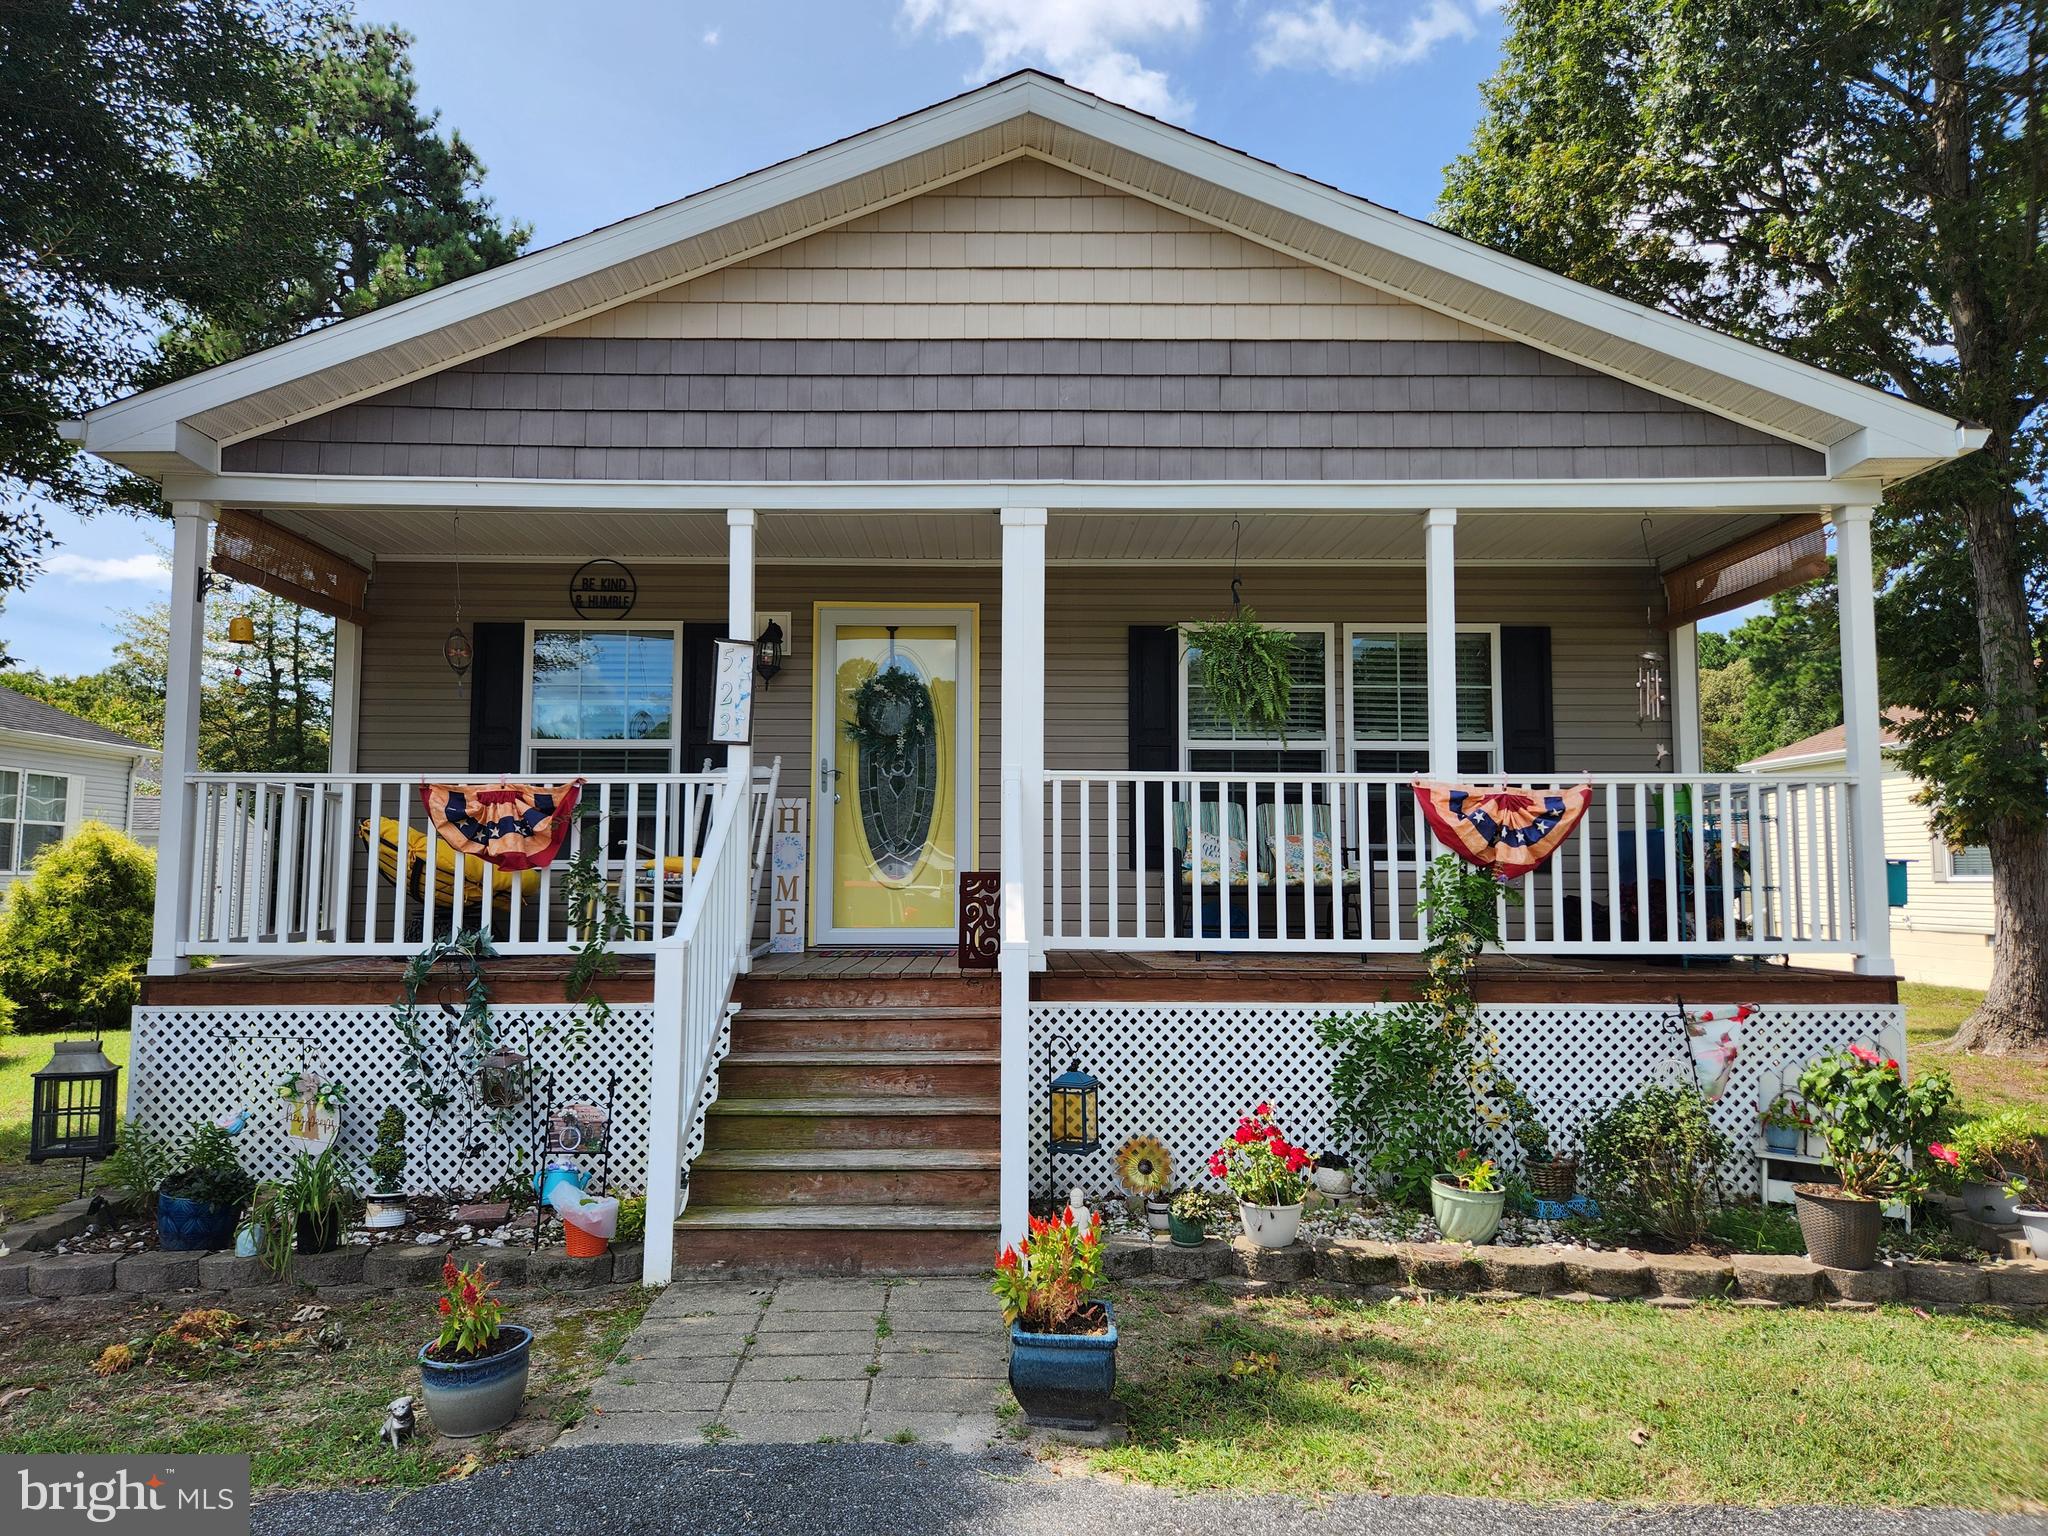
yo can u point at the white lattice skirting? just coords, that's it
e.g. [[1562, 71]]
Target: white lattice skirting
[[1184, 1072], [189, 1064]]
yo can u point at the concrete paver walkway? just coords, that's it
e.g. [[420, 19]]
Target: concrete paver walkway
[[799, 1361]]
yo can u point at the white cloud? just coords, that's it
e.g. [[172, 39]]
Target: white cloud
[[1089, 42], [711, 38], [1315, 37], [146, 569]]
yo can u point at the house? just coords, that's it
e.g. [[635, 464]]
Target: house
[[56, 771], [1941, 919], [961, 419]]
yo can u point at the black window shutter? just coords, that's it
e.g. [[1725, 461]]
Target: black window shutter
[[497, 686], [700, 666], [1528, 731], [1154, 727]]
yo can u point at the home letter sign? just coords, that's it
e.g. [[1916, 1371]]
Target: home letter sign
[[786, 856]]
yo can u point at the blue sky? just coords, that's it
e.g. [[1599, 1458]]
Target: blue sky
[[585, 114]]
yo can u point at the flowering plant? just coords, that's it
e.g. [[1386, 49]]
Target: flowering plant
[[1044, 1280], [1259, 1165], [1469, 1170], [1786, 1113], [1871, 1120], [470, 1314]]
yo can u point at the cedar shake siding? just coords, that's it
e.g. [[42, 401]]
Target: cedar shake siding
[[1024, 323], [1063, 408]]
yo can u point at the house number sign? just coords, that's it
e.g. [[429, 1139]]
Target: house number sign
[[602, 589]]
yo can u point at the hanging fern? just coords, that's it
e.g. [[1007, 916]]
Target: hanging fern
[[1241, 666]]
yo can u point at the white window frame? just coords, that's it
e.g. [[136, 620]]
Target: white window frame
[[1332, 702], [528, 746], [1353, 745], [15, 864], [1948, 867]]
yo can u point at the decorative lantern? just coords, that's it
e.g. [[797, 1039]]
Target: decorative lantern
[[73, 1103], [768, 651], [1074, 1103]]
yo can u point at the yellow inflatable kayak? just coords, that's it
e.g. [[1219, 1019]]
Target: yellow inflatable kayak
[[502, 881]]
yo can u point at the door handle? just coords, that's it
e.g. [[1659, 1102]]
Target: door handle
[[826, 774]]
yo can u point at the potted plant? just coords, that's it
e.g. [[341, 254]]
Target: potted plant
[[1869, 1119], [1062, 1339], [1240, 667], [2000, 1158], [302, 1214], [1267, 1174], [197, 1205], [1785, 1124], [384, 1206], [1332, 1175], [1467, 1198], [474, 1374], [2034, 1222], [1551, 1176], [1189, 1215]]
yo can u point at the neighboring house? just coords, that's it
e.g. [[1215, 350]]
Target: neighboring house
[[1941, 933], [56, 771], [972, 413]]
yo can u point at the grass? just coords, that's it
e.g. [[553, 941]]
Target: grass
[[305, 1411], [1985, 1082], [1549, 1402], [27, 1191]]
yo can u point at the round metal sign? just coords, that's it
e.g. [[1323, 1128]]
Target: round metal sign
[[603, 589]]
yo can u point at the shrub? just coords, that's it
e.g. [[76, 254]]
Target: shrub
[[632, 1225], [387, 1163], [1653, 1161], [74, 935], [140, 1162]]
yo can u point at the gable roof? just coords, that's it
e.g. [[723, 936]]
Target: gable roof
[[1825, 746], [1865, 432], [19, 712]]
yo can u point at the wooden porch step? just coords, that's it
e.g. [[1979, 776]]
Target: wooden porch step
[[911, 1028], [774, 990], [837, 1239], [846, 1176], [893, 1218], [972, 1120], [876, 1075]]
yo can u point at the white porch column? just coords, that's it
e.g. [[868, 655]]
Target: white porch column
[[1856, 600], [1023, 859], [181, 736], [1685, 698], [1440, 527], [739, 620], [348, 676]]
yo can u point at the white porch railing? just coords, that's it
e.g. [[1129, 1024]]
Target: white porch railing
[[340, 864], [1661, 864], [695, 965]]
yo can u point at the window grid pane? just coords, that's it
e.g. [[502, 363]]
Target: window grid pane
[[603, 685], [1308, 709], [1970, 863], [44, 800]]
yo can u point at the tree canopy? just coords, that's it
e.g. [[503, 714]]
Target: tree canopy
[[1862, 184]]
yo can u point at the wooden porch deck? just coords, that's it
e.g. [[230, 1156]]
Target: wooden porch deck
[[1071, 977]]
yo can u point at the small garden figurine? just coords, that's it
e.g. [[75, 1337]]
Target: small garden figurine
[[1062, 1337]]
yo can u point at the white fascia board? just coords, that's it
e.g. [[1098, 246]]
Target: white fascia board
[[343, 493], [1913, 430], [54, 740], [116, 425]]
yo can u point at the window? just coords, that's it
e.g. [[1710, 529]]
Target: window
[[1387, 725], [1969, 863], [33, 810], [1305, 746], [601, 700]]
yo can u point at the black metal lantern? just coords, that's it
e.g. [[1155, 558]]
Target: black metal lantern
[[768, 651], [72, 1109], [1074, 1105]]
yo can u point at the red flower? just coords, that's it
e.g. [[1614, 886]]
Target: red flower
[[1864, 1054], [1942, 1153], [445, 1307], [469, 1292], [1296, 1160], [1007, 1259], [1067, 1216], [449, 1272], [1263, 1110], [1247, 1133], [1219, 1165], [1891, 1064]]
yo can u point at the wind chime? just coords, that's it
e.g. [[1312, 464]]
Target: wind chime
[[1650, 687], [456, 649]]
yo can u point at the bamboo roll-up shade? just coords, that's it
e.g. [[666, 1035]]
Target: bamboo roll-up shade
[[1790, 552], [264, 555]]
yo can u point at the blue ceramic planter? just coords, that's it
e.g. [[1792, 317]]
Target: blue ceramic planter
[[474, 1397], [1781, 1138], [1064, 1380], [183, 1225]]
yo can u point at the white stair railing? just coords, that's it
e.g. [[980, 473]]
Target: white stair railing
[[695, 966]]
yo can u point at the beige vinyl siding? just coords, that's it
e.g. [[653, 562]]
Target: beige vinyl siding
[[1933, 904], [98, 788]]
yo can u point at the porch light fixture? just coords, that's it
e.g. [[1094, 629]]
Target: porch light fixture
[[1074, 1111], [768, 652], [72, 1105]]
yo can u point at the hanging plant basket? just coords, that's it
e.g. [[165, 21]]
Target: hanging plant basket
[[1242, 668]]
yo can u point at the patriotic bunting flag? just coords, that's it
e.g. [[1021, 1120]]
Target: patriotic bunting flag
[[514, 826], [1509, 831]]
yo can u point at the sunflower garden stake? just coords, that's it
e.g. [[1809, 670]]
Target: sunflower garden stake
[[1145, 1169]]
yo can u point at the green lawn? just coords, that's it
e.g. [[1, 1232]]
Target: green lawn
[[304, 1408], [1985, 1082], [27, 1191], [1550, 1401]]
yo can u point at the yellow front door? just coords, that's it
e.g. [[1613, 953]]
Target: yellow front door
[[896, 717]]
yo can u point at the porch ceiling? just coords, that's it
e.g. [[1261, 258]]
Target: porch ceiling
[[1291, 537]]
